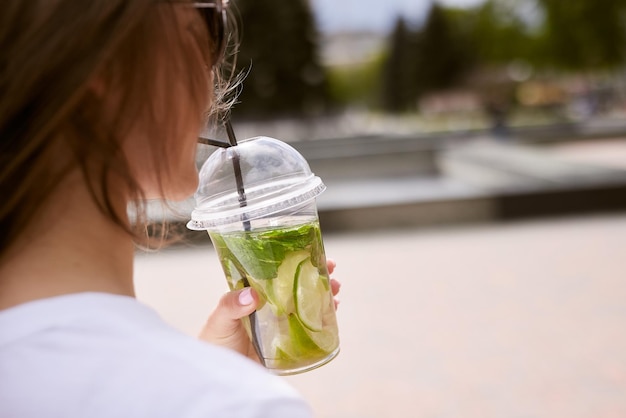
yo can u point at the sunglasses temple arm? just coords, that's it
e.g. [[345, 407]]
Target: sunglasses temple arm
[[213, 142]]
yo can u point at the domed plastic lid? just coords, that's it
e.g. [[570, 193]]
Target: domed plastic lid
[[274, 176]]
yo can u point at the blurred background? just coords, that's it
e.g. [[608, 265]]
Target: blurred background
[[475, 158]]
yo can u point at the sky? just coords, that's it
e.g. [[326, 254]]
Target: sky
[[375, 15]]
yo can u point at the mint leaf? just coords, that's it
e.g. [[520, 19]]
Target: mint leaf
[[260, 253], [260, 258]]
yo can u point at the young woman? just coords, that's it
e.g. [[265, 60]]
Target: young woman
[[101, 102]]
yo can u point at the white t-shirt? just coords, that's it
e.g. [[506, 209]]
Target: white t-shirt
[[94, 355]]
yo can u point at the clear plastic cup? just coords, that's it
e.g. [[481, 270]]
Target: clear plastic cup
[[257, 202]]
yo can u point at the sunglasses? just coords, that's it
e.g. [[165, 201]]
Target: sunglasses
[[213, 14]]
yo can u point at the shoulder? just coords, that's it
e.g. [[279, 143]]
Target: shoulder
[[120, 359], [204, 381], [188, 361], [184, 374]]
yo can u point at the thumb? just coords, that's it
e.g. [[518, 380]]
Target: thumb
[[224, 321]]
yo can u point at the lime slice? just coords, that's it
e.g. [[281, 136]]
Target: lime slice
[[325, 282], [302, 346], [282, 286], [310, 295], [282, 358], [282, 346], [283, 350], [326, 340]]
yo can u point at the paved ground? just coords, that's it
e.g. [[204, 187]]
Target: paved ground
[[610, 153], [517, 320]]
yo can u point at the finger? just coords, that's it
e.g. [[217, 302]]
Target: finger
[[330, 264], [224, 321]]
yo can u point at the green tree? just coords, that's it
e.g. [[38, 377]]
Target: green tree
[[421, 61], [498, 33], [279, 50], [443, 57], [398, 85], [585, 34]]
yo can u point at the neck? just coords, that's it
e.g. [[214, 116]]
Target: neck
[[71, 248]]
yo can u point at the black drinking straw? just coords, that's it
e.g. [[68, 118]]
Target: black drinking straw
[[238, 177], [246, 226]]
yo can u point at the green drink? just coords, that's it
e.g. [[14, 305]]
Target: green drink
[[295, 321], [257, 200]]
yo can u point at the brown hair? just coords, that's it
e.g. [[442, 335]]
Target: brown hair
[[51, 120]]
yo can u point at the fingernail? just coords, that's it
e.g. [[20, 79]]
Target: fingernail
[[245, 297]]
